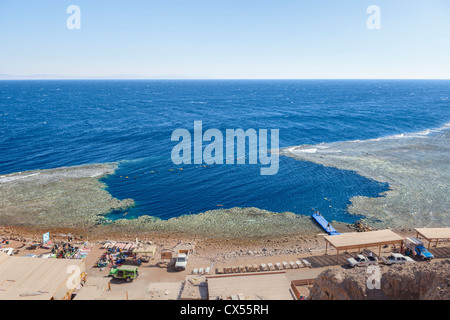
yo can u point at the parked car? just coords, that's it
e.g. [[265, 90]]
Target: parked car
[[423, 253], [416, 246], [128, 273], [396, 258], [182, 259], [360, 260]]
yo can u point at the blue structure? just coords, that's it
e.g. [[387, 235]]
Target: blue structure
[[324, 224]]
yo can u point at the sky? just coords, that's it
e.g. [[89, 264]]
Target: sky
[[226, 39]]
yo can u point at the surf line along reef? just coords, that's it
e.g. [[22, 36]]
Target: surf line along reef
[[415, 165], [258, 151]]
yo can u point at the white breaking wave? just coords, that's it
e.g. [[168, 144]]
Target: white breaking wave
[[4, 179]]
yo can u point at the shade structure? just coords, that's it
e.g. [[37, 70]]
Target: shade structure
[[361, 240], [434, 234]]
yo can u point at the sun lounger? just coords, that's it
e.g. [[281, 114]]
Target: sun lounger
[[255, 267], [271, 267], [109, 245], [242, 269], [278, 266], [235, 269], [307, 263], [207, 270], [285, 265], [241, 296], [195, 271], [200, 271], [127, 247], [299, 264], [293, 265], [264, 267]]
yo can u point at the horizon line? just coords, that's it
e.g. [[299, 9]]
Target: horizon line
[[181, 78], [5, 76]]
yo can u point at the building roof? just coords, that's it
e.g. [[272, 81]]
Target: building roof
[[93, 288], [164, 291], [38, 278], [353, 240], [256, 286], [113, 295], [434, 233], [147, 249], [3, 257]]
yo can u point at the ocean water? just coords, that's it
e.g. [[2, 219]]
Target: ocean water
[[53, 123]]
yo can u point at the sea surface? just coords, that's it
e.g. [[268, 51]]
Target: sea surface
[[55, 123]]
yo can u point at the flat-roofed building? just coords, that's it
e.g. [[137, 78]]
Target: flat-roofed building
[[25, 278]]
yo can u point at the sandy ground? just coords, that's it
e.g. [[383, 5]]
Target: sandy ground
[[211, 253]]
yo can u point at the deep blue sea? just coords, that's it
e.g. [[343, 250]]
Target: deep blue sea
[[55, 123]]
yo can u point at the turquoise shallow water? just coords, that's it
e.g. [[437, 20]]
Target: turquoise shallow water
[[48, 124]]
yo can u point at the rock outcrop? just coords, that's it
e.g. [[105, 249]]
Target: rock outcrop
[[418, 281]]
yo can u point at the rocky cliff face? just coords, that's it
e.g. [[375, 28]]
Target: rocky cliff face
[[418, 281]]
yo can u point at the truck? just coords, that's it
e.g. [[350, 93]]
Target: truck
[[181, 260], [416, 246], [360, 261], [396, 258]]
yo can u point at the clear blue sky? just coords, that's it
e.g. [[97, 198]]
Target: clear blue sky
[[227, 39]]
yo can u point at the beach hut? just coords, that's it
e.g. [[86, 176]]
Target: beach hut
[[147, 252]]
